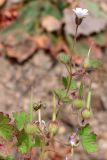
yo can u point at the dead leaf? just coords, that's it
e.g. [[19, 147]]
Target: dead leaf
[[103, 6], [42, 41], [58, 47], [90, 25], [50, 24], [19, 48], [2, 2]]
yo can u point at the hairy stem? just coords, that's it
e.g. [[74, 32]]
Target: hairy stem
[[39, 116], [31, 108], [75, 37], [54, 108]]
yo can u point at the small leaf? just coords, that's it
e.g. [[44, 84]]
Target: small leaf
[[95, 63], [9, 158], [82, 48], [6, 129], [50, 9], [81, 89], [66, 82], [61, 93], [66, 100], [6, 158], [88, 138], [25, 142], [20, 119], [38, 141], [100, 39], [73, 85], [63, 58]]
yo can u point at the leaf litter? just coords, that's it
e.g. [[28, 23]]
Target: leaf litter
[[44, 29]]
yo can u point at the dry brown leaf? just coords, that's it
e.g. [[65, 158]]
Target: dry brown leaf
[[61, 46], [90, 25], [104, 6], [42, 41], [50, 24], [58, 47], [2, 2], [20, 49], [7, 16]]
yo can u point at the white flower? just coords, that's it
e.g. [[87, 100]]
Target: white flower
[[80, 13]]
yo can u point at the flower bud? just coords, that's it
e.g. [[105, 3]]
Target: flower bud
[[78, 21], [86, 114], [78, 103], [53, 127]]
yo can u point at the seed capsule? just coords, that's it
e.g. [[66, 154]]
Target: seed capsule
[[78, 103], [86, 114], [53, 127]]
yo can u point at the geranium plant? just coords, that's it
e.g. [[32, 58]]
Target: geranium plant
[[27, 134]]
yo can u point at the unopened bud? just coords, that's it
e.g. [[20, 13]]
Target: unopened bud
[[86, 114], [53, 127], [78, 21], [78, 103]]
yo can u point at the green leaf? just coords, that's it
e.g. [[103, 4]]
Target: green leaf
[[66, 82], [94, 63], [81, 90], [61, 4], [6, 158], [25, 142], [29, 17], [95, 8], [100, 38], [69, 40], [9, 158], [63, 58], [88, 138], [20, 119], [62, 95], [50, 9], [66, 100], [82, 48], [73, 85], [39, 141], [6, 129]]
